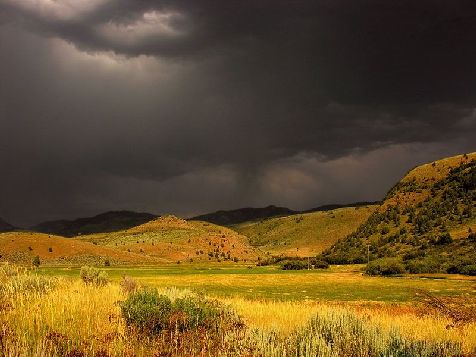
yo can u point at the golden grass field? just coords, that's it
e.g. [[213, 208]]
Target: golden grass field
[[67, 317]]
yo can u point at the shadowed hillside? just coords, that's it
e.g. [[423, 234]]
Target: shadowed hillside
[[175, 239], [426, 222], [241, 215], [304, 234], [5, 227], [105, 222]]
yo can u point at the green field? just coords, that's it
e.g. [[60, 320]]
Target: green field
[[339, 283]]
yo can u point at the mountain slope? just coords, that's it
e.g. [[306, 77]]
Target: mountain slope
[[304, 234], [426, 221], [174, 239], [22, 247], [5, 227], [241, 215], [105, 222]]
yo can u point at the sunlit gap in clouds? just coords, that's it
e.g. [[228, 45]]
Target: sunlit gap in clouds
[[147, 32], [63, 10], [150, 27], [71, 59]]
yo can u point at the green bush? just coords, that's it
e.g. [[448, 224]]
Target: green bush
[[320, 264], [150, 312], [426, 265], [469, 270], [147, 311], [93, 276], [191, 312], [294, 265], [445, 239], [385, 267]]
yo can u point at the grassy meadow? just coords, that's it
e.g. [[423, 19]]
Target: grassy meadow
[[338, 283], [333, 312]]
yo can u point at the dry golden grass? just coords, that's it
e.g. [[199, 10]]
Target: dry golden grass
[[410, 320], [77, 318], [306, 234], [21, 247]]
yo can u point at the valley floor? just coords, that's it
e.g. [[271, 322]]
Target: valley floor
[[345, 283], [333, 312]]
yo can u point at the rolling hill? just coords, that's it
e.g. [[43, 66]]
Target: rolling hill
[[106, 222], [426, 221], [5, 227], [22, 247], [177, 240], [304, 235]]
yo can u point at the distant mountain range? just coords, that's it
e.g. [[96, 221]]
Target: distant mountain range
[[113, 221], [227, 218], [5, 227], [102, 223]]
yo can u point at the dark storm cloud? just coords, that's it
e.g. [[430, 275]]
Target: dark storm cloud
[[188, 106]]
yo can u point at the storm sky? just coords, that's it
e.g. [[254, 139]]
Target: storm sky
[[189, 106]]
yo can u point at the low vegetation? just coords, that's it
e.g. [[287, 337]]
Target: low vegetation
[[71, 318], [94, 276]]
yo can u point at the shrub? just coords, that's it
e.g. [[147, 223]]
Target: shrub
[[420, 266], [191, 312], [469, 270], [320, 264], [151, 313], [36, 261], [385, 267], [50, 250], [293, 265], [147, 311], [107, 263], [445, 239], [94, 276]]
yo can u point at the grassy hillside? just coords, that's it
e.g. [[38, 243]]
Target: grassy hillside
[[426, 221], [174, 239], [304, 234], [106, 222], [22, 247]]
